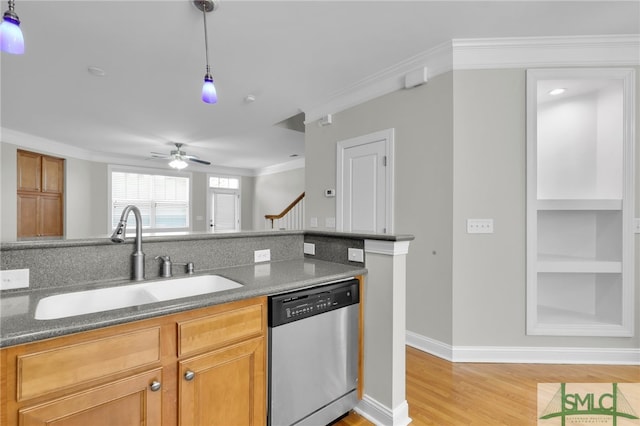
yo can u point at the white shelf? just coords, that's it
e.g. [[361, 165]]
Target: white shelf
[[560, 322], [567, 264], [582, 204]]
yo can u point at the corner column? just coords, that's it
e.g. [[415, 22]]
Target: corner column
[[384, 295]]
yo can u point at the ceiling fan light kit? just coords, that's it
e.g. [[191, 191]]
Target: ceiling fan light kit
[[11, 39], [179, 158], [209, 94], [178, 163]]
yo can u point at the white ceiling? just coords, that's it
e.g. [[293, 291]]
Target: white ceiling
[[291, 55]]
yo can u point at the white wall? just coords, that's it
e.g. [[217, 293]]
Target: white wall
[[274, 192]]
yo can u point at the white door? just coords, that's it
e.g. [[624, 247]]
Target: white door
[[365, 184], [224, 210]]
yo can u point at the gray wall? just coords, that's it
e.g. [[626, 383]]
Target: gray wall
[[274, 192], [422, 118], [460, 153], [247, 195], [86, 200]]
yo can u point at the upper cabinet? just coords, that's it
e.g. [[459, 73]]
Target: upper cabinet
[[40, 195], [580, 171]]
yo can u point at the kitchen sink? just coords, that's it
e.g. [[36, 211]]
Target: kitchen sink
[[105, 299]]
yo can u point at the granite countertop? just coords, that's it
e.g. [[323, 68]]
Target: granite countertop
[[18, 325]]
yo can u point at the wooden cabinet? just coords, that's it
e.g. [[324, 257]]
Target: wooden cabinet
[[580, 202], [231, 366], [201, 367], [40, 195], [126, 402], [235, 375]]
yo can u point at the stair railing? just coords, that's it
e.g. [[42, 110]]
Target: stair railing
[[292, 217]]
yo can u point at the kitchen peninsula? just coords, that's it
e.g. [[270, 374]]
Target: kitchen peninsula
[[64, 266]]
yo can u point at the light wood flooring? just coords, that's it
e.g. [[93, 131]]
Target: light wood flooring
[[458, 394]]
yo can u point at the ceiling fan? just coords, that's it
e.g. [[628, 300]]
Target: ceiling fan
[[178, 158]]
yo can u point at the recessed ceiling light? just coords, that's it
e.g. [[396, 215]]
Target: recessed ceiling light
[[250, 98], [98, 72], [558, 91]]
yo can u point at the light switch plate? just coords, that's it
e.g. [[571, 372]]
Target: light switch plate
[[479, 226], [330, 222], [636, 225], [313, 222], [262, 255], [14, 278], [309, 248]]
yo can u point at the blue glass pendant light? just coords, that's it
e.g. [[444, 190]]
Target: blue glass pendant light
[[11, 40], [209, 94]]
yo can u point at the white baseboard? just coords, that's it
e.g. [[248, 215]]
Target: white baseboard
[[382, 415], [524, 355], [432, 346]]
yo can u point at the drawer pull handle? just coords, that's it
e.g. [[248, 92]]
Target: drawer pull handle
[[189, 375], [155, 386]]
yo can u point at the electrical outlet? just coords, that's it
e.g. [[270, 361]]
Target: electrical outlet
[[262, 255], [479, 226], [330, 222], [356, 255], [636, 225], [309, 248], [14, 278]]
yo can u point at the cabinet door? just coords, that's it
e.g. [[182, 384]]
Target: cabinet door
[[224, 387], [50, 215], [29, 169], [52, 174], [127, 402], [28, 220]]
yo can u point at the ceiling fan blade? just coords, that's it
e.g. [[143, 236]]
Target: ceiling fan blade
[[158, 155], [195, 160]]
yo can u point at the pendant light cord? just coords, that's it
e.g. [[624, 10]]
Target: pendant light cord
[[206, 43]]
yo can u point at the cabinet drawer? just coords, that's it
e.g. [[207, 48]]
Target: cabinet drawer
[[47, 371], [220, 329]]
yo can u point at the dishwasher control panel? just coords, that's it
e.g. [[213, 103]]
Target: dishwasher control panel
[[297, 305]]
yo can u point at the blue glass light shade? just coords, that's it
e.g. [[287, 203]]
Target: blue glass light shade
[[209, 94], [11, 40]]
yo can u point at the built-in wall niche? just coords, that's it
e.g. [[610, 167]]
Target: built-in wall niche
[[580, 127]]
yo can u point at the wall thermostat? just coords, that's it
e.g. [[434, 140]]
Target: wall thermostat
[[329, 192]]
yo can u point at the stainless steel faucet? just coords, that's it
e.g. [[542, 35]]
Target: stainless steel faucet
[[118, 236], [166, 270]]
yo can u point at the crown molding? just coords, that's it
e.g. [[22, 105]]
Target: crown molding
[[437, 60], [532, 52], [486, 53]]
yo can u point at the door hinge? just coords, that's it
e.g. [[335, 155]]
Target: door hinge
[[384, 161]]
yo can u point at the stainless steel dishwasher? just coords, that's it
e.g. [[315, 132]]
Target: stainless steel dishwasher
[[313, 354]]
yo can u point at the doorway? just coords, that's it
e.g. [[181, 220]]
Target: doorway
[[223, 204], [364, 201]]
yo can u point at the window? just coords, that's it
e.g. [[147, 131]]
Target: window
[[163, 199], [224, 182]]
